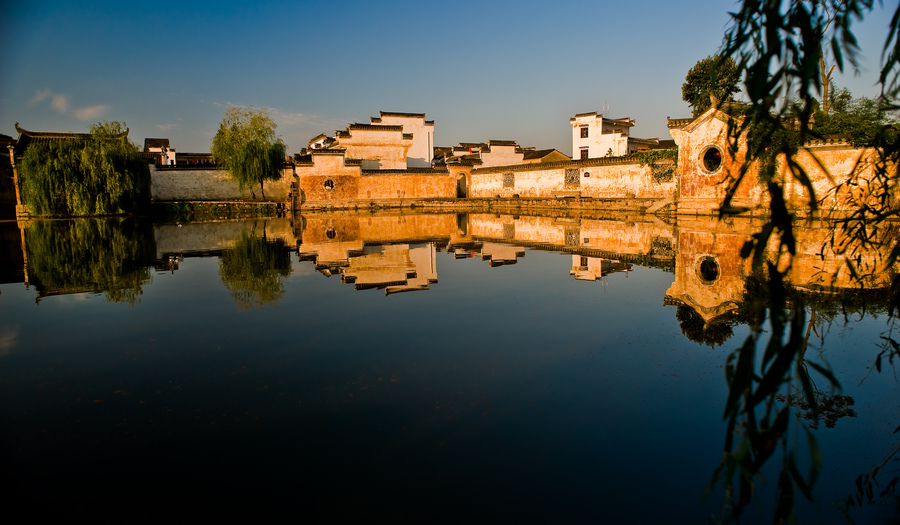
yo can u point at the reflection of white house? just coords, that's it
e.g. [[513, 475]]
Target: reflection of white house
[[161, 147], [595, 136], [593, 268]]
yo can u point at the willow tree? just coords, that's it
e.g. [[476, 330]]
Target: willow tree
[[777, 46], [97, 174], [247, 147]]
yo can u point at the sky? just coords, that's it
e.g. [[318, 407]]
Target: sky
[[481, 70]]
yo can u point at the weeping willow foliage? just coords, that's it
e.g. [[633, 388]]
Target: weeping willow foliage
[[100, 175], [779, 47], [247, 147], [110, 256], [254, 270]]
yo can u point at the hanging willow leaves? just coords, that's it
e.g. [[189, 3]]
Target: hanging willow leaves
[[102, 174], [247, 147]]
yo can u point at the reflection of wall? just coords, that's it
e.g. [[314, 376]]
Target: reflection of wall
[[204, 237], [614, 236], [333, 237], [709, 297], [813, 266]]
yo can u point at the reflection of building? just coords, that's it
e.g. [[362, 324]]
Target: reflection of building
[[393, 268], [593, 268], [501, 254]]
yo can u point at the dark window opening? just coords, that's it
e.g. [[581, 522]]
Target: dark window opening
[[712, 159]]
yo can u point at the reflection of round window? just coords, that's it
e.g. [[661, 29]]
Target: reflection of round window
[[708, 269], [328, 185], [330, 233], [711, 160]]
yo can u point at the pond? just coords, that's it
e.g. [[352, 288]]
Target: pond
[[423, 368]]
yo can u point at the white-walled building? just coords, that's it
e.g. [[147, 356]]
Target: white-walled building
[[595, 136], [422, 151]]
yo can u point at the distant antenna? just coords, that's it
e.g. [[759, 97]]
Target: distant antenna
[[605, 107]]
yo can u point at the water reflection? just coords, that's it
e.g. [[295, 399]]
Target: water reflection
[[511, 357], [254, 270], [109, 256]]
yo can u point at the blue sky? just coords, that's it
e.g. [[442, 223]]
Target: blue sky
[[481, 70]]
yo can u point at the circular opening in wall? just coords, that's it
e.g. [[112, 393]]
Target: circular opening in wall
[[330, 233], [708, 269], [328, 185], [711, 160]]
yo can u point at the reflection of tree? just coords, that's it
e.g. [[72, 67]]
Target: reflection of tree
[[254, 270], [712, 333], [112, 256]]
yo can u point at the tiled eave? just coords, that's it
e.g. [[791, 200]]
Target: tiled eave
[[606, 161]]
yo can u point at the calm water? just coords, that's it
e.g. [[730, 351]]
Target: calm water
[[518, 378]]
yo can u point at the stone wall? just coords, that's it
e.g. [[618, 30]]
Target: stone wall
[[210, 185]]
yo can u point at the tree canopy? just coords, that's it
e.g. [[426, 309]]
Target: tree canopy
[[860, 120], [714, 75], [247, 147], [102, 174]]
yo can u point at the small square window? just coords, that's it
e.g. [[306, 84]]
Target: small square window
[[509, 180], [584, 153], [584, 132]]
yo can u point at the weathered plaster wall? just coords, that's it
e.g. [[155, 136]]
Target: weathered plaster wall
[[406, 185], [379, 148], [421, 152], [210, 185], [598, 179], [702, 191], [501, 155]]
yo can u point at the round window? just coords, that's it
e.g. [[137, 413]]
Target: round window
[[708, 269], [711, 160], [330, 233], [328, 185]]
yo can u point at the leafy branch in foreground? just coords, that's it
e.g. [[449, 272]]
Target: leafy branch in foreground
[[778, 47]]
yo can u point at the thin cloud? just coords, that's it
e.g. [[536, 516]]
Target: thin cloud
[[167, 127], [60, 103], [39, 97], [91, 112]]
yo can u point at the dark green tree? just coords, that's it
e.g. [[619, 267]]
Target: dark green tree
[[247, 147], [255, 269], [102, 174], [859, 120], [717, 76]]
